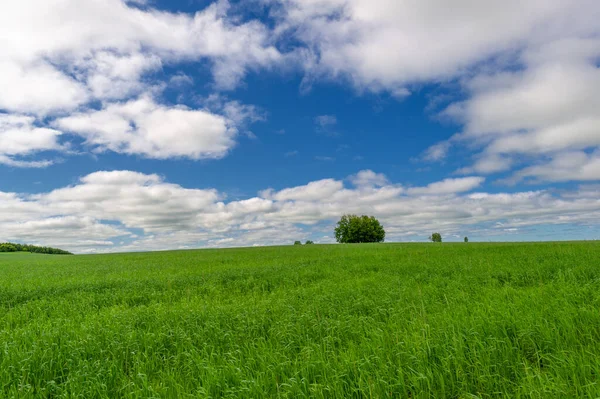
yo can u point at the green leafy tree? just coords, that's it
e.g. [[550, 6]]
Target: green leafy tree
[[8, 247], [436, 237], [359, 229], [466, 239], [297, 242], [309, 242]]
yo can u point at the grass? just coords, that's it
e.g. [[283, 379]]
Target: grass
[[344, 321]]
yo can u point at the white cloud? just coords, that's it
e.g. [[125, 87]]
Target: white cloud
[[368, 178], [20, 137], [62, 231], [562, 167], [317, 190], [108, 45], [437, 152], [37, 88], [549, 108], [387, 44], [448, 186], [152, 130], [238, 113], [133, 199], [4, 160], [114, 76], [488, 163]]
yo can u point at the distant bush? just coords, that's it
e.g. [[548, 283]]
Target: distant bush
[[297, 242], [358, 229], [308, 242], [10, 247], [436, 237], [466, 239]]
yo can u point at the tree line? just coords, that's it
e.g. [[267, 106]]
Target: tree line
[[11, 247]]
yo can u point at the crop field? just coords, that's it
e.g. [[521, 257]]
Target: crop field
[[322, 321]]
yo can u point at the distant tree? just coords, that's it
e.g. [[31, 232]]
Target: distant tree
[[309, 242], [7, 247], [435, 237], [358, 229], [297, 242], [466, 239]]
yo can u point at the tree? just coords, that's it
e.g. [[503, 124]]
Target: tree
[[7, 247], [466, 239], [297, 242], [436, 237], [358, 229], [308, 242]]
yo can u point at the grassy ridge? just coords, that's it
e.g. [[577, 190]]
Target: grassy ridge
[[389, 320]]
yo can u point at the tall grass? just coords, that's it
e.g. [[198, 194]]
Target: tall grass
[[346, 321]]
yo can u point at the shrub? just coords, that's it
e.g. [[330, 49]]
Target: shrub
[[297, 242]]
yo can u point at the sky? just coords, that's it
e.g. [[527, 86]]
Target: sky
[[151, 124]]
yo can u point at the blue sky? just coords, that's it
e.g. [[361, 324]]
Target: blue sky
[[140, 125]]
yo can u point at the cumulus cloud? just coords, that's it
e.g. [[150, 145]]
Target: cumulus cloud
[[387, 44], [546, 109], [149, 129], [134, 199], [488, 163], [437, 152], [562, 167], [37, 88], [116, 76], [125, 210], [550, 105], [107, 45], [317, 190], [19, 137], [449, 186], [368, 178]]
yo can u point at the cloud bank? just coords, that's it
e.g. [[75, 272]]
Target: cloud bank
[[126, 210]]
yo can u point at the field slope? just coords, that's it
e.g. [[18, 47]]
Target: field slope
[[387, 320]]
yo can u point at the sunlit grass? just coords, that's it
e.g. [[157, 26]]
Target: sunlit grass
[[386, 320]]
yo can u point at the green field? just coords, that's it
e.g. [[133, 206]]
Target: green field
[[340, 321]]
